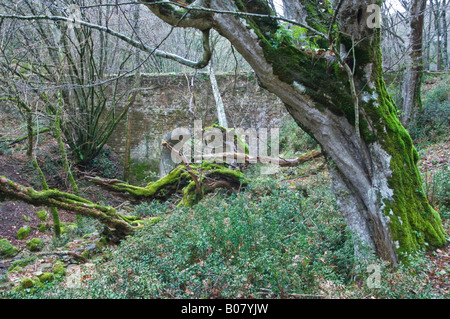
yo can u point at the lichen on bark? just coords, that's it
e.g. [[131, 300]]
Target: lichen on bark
[[413, 223]]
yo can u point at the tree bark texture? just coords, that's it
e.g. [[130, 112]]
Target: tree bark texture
[[411, 90]]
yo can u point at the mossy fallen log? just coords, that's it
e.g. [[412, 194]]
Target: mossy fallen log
[[214, 178], [160, 190], [118, 225], [180, 180]]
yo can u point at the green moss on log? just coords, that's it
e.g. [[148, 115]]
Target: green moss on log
[[191, 196], [159, 189], [224, 176]]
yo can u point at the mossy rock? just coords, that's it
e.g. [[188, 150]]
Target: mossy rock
[[59, 269], [29, 283], [42, 215], [14, 269], [26, 283], [47, 277], [6, 249], [23, 232], [35, 244]]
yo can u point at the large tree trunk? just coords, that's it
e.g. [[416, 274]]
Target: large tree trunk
[[436, 7], [220, 108], [445, 35], [375, 175], [412, 81]]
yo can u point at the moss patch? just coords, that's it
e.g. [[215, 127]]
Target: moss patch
[[46, 277], [23, 232], [68, 227], [42, 227], [35, 244], [59, 269], [22, 263], [6, 249], [42, 215], [414, 224], [27, 283]]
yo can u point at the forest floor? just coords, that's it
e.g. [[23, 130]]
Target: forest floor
[[433, 158]]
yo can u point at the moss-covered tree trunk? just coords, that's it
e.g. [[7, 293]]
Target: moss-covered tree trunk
[[53, 210], [374, 165]]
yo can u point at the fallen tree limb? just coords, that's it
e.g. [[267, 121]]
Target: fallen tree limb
[[119, 225], [180, 180], [245, 158], [161, 189]]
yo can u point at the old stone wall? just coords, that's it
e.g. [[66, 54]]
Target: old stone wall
[[164, 103]]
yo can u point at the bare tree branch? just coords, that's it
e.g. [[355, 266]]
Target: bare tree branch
[[196, 65]]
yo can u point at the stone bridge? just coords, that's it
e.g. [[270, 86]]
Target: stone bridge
[[164, 104]]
